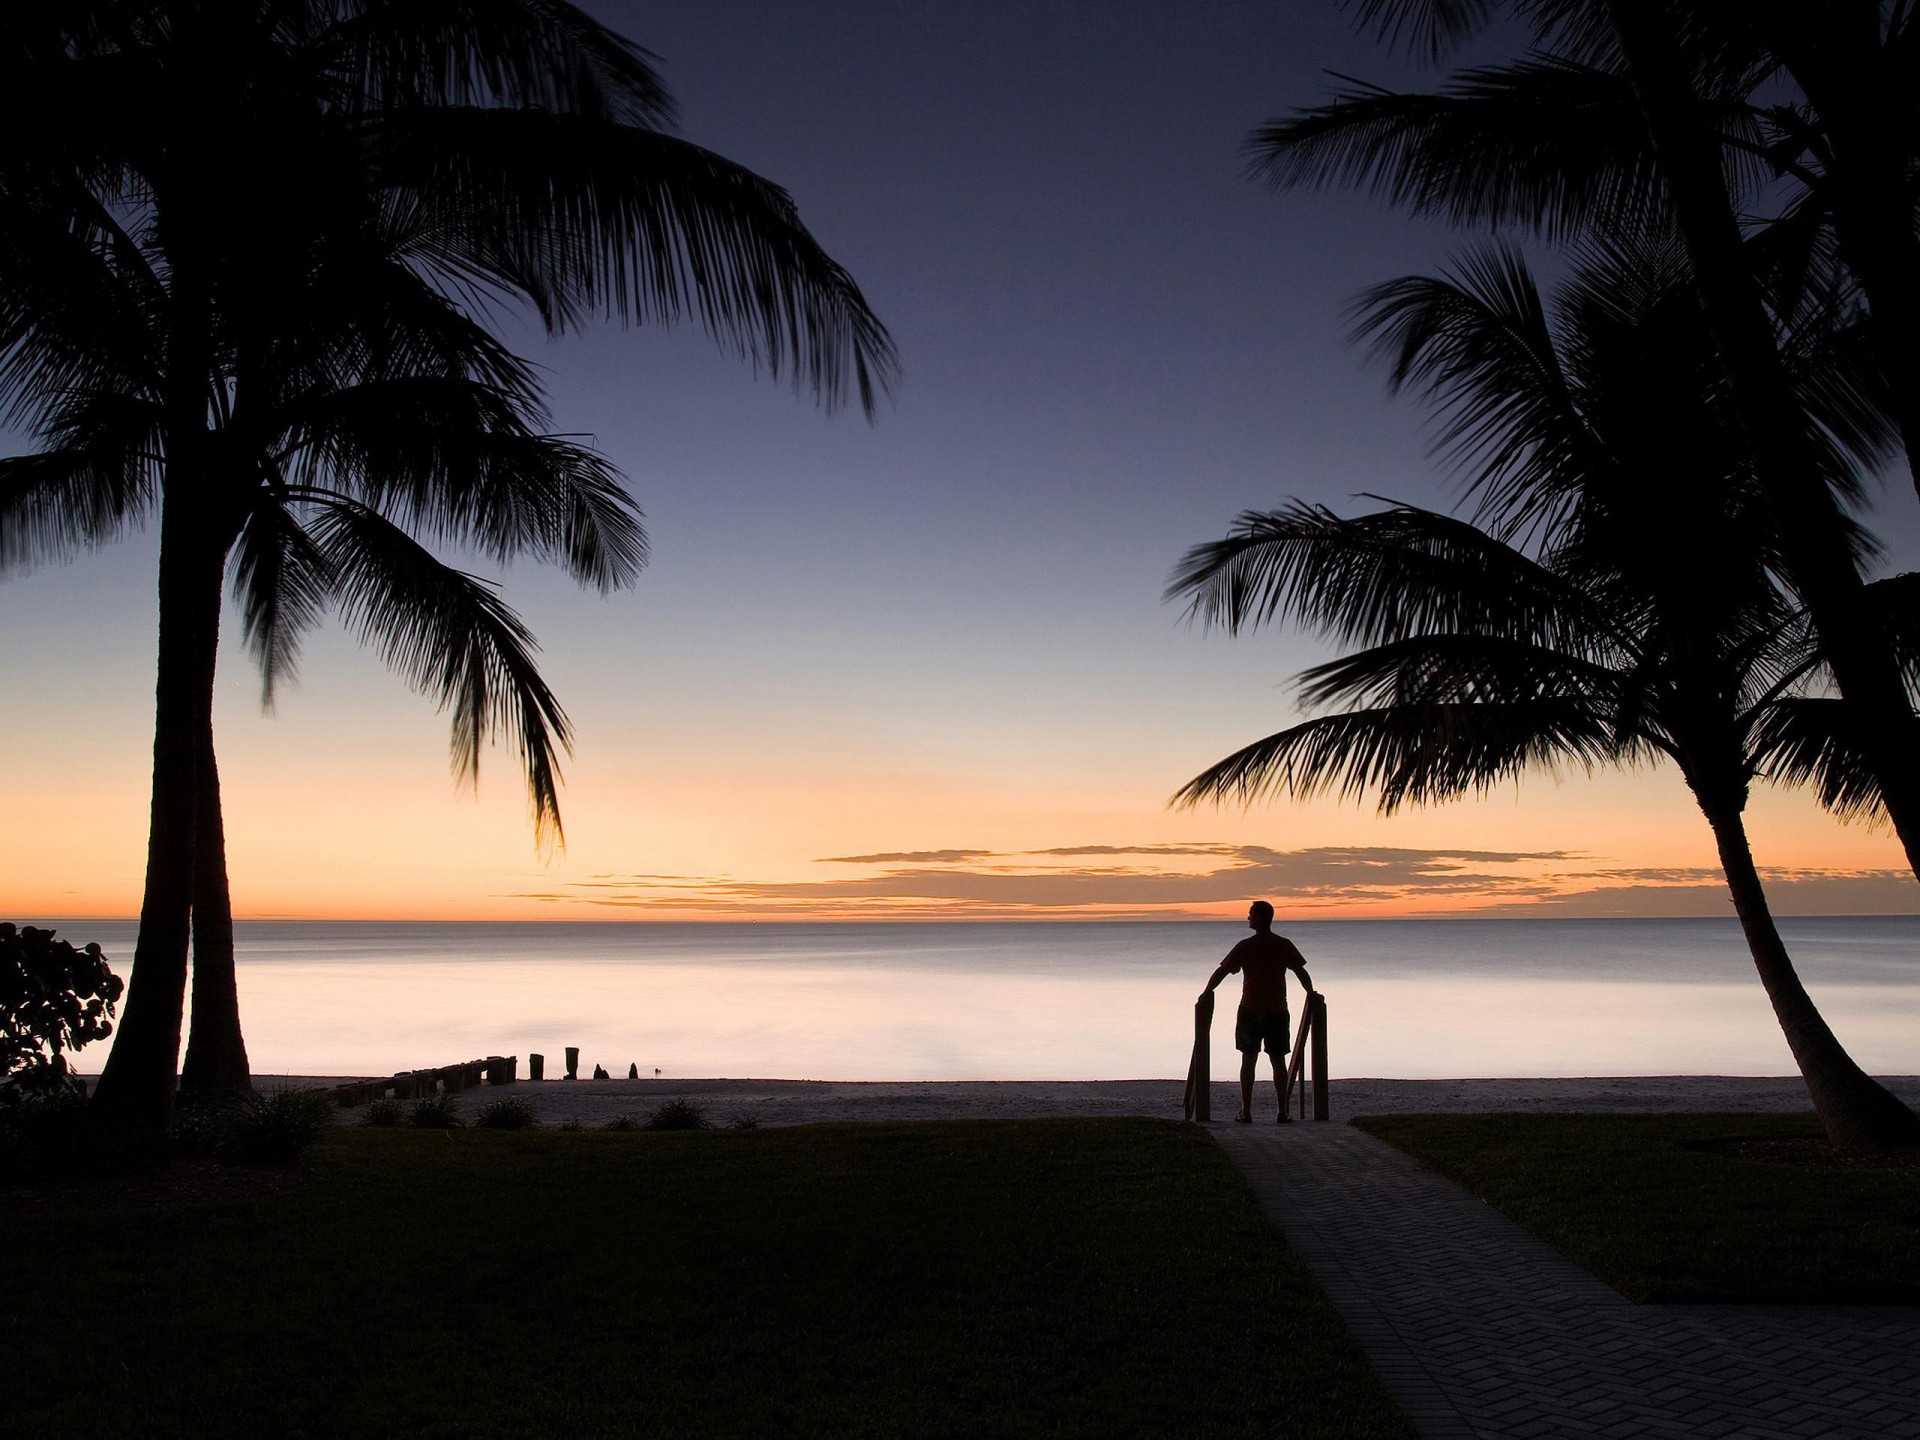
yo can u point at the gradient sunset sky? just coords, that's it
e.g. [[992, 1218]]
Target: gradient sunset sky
[[918, 669]]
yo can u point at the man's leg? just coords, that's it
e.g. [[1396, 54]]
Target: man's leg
[[1248, 1059], [1279, 1063]]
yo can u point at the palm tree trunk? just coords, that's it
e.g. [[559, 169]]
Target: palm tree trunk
[[135, 1092], [216, 1060], [1812, 529], [1859, 1113]]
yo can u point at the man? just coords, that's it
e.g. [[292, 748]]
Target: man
[[1262, 961]]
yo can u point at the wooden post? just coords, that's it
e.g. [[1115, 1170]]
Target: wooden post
[[1198, 1103], [536, 1067], [1317, 1011], [573, 1062]]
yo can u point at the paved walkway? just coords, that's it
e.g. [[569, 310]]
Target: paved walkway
[[1484, 1332]]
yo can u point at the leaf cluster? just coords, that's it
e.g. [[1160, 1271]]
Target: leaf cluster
[[54, 998]]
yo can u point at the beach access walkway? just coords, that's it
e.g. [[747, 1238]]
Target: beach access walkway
[[1484, 1332]]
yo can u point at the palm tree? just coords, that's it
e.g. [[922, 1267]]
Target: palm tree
[[1647, 625], [1635, 114], [228, 204]]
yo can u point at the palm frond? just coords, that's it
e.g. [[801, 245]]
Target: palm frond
[[1461, 669], [1429, 27], [464, 469], [1477, 342], [1380, 577], [1544, 143], [452, 638], [284, 583], [55, 504], [581, 216], [529, 53], [1814, 740], [1408, 754]]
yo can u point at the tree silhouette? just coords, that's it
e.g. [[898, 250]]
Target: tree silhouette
[[250, 250], [1647, 624], [1631, 116]]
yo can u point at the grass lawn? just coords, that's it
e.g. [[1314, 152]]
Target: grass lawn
[[1043, 1278], [1687, 1207]]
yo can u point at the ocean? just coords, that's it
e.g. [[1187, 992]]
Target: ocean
[[1045, 1000]]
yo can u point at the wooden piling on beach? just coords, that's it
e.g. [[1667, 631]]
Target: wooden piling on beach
[[536, 1067]]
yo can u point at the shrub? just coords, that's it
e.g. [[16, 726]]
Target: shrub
[[571, 1123], [279, 1125], [678, 1115], [386, 1111], [435, 1112], [743, 1122], [53, 998], [508, 1112], [624, 1122]]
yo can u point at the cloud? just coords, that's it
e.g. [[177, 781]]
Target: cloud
[[1149, 881], [908, 857], [1031, 883], [1677, 893]]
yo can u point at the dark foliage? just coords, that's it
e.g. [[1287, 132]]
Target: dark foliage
[[678, 1115], [435, 1112], [507, 1112], [277, 1126], [54, 997], [385, 1112]]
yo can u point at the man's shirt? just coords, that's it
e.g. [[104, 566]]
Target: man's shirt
[[1261, 961]]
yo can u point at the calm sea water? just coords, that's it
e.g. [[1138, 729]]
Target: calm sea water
[[1113, 1000]]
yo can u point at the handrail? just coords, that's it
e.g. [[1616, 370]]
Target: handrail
[[1309, 1041], [1311, 1036]]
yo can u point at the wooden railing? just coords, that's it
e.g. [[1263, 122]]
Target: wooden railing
[[1309, 1044], [1310, 1039]]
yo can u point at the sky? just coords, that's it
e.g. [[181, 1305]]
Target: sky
[[918, 668]]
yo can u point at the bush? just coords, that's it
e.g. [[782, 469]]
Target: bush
[[435, 1112], [53, 998], [678, 1115], [386, 1111], [508, 1112], [570, 1124], [743, 1122], [279, 1125], [624, 1122]]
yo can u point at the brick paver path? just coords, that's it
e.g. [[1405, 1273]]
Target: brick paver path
[[1483, 1331]]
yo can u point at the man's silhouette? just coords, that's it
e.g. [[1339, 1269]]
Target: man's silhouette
[[1262, 961]]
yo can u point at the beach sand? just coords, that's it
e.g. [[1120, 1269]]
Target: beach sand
[[802, 1102]]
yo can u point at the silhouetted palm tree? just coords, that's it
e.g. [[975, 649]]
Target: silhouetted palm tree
[[1625, 637], [264, 232], [1633, 114]]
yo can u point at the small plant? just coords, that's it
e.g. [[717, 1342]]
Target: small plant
[[570, 1124], [384, 1112], [678, 1115], [275, 1126], [282, 1124], [743, 1122], [625, 1122], [435, 1112], [508, 1112]]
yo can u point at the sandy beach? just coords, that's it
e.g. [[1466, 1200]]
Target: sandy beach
[[804, 1102]]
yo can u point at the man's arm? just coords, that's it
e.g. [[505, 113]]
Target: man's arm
[[1298, 965], [1220, 972]]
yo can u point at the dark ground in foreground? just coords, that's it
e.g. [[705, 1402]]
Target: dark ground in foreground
[[1730, 1208], [1110, 1278]]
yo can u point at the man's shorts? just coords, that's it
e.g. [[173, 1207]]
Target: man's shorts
[[1255, 1030]]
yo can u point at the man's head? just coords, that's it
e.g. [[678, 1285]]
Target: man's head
[[1260, 916]]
